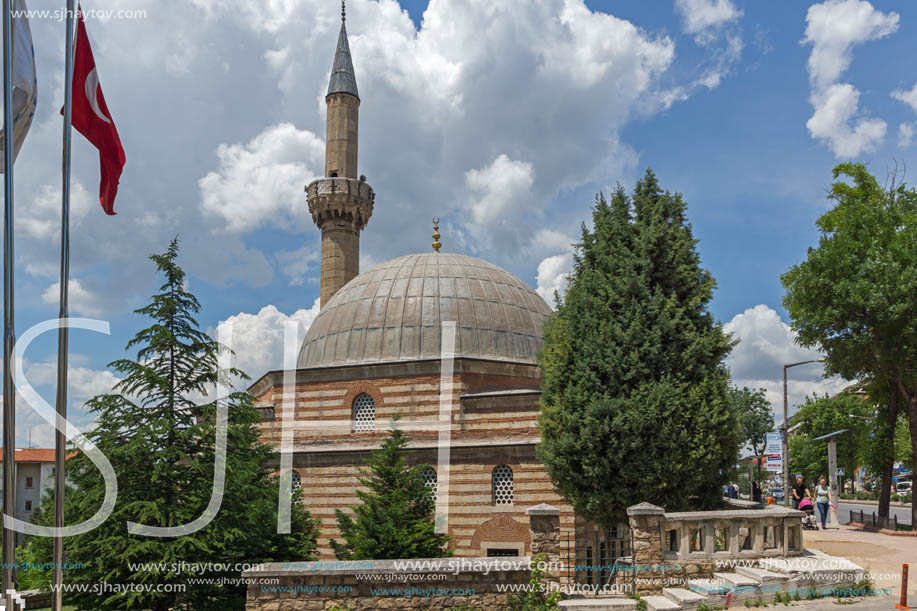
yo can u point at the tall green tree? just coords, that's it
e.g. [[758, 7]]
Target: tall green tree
[[855, 296], [635, 404], [395, 517], [157, 428], [822, 415], [756, 419]]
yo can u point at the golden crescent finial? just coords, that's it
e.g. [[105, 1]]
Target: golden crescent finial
[[436, 243]]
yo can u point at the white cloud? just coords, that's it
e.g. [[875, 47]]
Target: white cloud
[[296, 264], [206, 108], [81, 299], [834, 109], [262, 182], [906, 134], [41, 218], [83, 383], [257, 339], [766, 345], [908, 97], [714, 25], [552, 276], [833, 28], [700, 16], [500, 190]]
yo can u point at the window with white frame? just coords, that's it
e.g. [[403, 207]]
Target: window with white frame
[[364, 413], [503, 485], [429, 479]]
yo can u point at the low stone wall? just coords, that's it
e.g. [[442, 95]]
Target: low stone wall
[[671, 548], [444, 583], [441, 583]]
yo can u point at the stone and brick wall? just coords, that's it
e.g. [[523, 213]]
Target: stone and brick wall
[[494, 422]]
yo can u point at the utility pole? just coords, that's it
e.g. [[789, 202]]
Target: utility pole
[[784, 431]]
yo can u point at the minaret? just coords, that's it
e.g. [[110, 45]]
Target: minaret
[[340, 203]]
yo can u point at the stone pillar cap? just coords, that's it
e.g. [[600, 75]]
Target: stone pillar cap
[[645, 509], [543, 510]]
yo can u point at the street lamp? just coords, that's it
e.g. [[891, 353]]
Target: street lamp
[[785, 434]]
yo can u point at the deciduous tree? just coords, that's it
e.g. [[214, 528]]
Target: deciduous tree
[[756, 418], [855, 295]]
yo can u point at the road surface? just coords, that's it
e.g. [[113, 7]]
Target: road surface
[[903, 513]]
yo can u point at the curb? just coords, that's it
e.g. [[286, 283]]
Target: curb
[[882, 531]]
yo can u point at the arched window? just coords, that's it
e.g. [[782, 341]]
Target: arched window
[[429, 479], [503, 485], [364, 413]]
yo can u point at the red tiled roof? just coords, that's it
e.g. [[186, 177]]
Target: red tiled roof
[[32, 454]]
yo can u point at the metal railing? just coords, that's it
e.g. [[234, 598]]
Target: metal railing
[[601, 556], [329, 184], [874, 521]]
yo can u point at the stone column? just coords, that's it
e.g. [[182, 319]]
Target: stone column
[[646, 527], [544, 524]]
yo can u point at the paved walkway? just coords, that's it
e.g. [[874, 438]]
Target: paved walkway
[[881, 555], [868, 603]]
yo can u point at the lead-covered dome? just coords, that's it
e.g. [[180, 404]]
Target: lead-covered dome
[[394, 311]]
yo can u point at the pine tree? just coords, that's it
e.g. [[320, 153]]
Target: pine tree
[[396, 516], [160, 439], [634, 393]]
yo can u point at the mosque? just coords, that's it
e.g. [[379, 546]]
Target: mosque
[[374, 351]]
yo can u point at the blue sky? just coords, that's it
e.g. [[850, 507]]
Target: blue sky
[[503, 118]]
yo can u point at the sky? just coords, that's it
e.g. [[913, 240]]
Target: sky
[[503, 118]]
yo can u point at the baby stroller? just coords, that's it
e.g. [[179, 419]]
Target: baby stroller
[[808, 522]]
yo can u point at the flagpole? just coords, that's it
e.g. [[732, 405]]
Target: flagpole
[[60, 448], [9, 332]]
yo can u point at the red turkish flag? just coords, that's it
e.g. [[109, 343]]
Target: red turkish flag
[[90, 117]]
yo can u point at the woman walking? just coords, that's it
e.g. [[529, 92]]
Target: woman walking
[[823, 499]]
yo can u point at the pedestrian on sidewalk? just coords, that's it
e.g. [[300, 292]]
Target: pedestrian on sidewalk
[[823, 499], [800, 491]]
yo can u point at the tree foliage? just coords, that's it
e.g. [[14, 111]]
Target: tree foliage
[[822, 415], [634, 395], [395, 517], [855, 295], [756, 418], [160, 438]]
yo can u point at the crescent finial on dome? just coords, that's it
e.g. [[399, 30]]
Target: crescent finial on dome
[[436, 243]]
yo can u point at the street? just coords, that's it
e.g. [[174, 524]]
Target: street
[[844, 507]]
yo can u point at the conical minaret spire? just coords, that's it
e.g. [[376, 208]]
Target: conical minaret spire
[[343, 79], [340, 203]]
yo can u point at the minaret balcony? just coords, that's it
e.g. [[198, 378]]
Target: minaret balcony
[[340, 200]]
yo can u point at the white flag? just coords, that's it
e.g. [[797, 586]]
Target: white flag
[[25, 80]]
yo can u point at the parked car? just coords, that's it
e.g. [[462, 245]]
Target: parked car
[[903, 487], [777, 493]]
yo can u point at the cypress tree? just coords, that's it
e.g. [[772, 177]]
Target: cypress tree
[[395, 518], [634, 392]]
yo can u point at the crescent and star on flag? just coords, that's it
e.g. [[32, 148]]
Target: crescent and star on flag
[[91, 117]]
